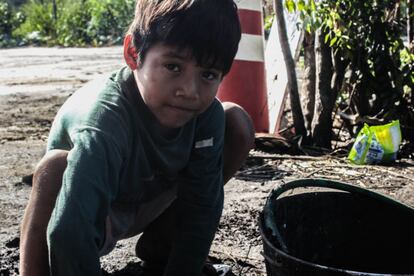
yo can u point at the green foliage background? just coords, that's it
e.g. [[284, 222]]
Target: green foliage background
[[78, 23], [367, 35], [9, 19]]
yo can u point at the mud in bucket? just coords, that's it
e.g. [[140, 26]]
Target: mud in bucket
[[323, 227]]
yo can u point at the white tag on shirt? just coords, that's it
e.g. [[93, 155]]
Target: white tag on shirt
[[204, 143]]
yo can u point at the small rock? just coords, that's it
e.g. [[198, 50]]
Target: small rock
[[27, 179], [14, 243]]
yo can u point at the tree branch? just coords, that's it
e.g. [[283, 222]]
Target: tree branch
[[292, 86]]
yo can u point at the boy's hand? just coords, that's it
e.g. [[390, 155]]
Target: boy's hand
[[215, 270], [209, 270]]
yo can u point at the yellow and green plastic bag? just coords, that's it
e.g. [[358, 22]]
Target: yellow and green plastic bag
[[376, 144]]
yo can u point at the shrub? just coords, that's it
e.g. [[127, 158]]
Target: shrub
[[109, 20], [6, 18], [73, 24], [9, 20], [79, 22], [39, 26]]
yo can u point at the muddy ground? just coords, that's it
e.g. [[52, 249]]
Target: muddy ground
[[34, 82]]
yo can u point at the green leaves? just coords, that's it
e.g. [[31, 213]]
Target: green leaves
[[333, 41], [312, 5], [38, 28], [367, 33], [301, 5], [79, 22], [9, 20], [268, 22], [307, 13], [110, 19], [290, 5]]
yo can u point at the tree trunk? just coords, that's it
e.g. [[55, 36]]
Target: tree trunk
[[309, 79], [339, 69], [410, 22], [292, 86], [54, 10], [322, 120]]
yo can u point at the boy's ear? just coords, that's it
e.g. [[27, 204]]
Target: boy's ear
[[130, 53]]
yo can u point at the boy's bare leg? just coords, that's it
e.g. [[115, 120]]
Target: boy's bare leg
[[239, 139], [47, 181]]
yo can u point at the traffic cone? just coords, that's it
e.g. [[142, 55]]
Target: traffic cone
[[246, 82]]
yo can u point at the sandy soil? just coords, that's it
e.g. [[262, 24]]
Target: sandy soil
[[34, 82]]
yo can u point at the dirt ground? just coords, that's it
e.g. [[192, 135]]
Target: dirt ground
[[34, 82]]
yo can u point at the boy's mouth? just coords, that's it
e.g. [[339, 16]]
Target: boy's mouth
[[183, 109]]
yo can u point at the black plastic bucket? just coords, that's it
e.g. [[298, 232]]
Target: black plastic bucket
[[343, 230]]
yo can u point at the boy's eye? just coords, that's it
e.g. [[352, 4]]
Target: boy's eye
[[172, 67], [209, 75]]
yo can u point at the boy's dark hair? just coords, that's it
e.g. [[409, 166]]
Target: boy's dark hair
[[210, 29]]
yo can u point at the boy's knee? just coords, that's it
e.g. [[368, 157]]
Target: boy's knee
[[239, 126], [49, 171]]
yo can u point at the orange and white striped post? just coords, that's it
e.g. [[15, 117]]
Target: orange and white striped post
[[246, 82]]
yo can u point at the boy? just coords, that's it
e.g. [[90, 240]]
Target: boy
[[145, 152]]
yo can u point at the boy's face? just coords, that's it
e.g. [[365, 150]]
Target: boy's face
[[173, 86]]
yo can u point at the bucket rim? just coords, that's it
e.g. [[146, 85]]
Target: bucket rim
[[333, 184], [307, 263], [267, 216]]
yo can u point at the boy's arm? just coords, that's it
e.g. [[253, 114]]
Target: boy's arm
[[200, 197], [76, 228]]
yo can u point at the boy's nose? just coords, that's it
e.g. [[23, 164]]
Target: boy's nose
[[188, 88]]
